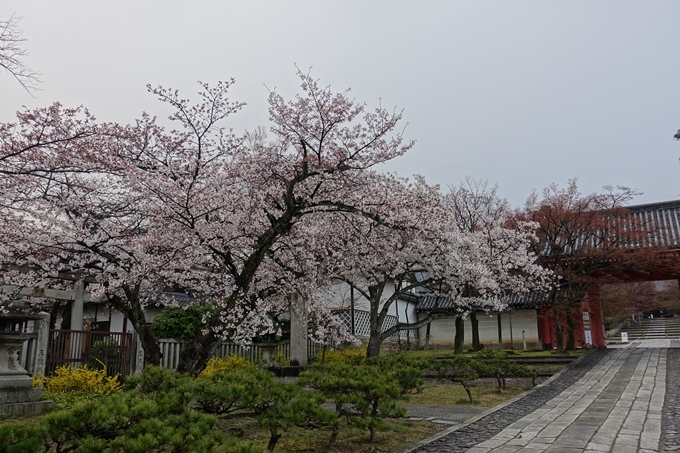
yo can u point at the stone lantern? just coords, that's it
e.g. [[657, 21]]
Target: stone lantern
[[17, 395]]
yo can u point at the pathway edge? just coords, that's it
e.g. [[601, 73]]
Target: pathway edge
[[491, 410]]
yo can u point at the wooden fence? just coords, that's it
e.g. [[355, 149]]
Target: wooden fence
[[110, 350], [171, 349], [113, 351]]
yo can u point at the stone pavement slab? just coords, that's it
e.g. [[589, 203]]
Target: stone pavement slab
[[616, 404], [606, 410], [487, 425]]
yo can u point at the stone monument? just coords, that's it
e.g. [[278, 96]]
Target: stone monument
[[17, 395]]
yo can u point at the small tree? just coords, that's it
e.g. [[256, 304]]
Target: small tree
[[497, 364], [363, 393], [459, 369], [282, 406], [228, 392]]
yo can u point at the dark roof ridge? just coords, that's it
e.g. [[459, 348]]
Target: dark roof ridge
[[654, 206]]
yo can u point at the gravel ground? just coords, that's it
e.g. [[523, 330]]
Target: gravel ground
[[463, 439], [670, 424]]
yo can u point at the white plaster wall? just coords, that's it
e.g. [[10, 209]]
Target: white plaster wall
[[114, 316], [522, 321], [339, 297], [442, 331]]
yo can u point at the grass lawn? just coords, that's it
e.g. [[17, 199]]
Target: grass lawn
[[455, 395]]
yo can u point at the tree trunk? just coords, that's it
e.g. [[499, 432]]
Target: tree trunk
[[132, 308], [427, 335], [375, 338], [571, 328], [66, 316], [152, 350], [374, 343], [334, 436], [559, 340], [195, 354], [467, 389], [460, 336], [476, 344], [54, 313], [273, 439]]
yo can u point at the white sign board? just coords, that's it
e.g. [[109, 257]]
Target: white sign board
[[589, 337], [624, 337]]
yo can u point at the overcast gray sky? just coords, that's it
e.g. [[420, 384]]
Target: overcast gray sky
[[521, 93]]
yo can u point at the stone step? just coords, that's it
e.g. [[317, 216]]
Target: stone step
[[13, 410]]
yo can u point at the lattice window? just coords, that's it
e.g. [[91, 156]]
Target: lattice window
[[362, 323]]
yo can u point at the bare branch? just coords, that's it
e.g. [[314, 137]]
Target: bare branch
[[12, 53]]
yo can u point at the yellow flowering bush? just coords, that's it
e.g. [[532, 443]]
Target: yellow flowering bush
[[230, 363], [281, 359], [353, 355], [81, 379], [38, 379]]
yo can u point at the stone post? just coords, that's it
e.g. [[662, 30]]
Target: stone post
[[77, 307], [139, 355], [298, 330], [41, 327]]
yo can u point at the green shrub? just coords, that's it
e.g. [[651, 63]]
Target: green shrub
[[131, 422], [366, 394], [181, 323], [224, 393], [153, 415], [283, 405], [406, 369], [277, 406], [20, 438], [497, 364], [168, 389], [156, 379]]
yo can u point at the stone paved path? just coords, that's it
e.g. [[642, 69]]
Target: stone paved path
[[618, 400], [616, 407]]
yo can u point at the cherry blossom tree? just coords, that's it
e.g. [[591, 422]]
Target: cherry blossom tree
[[476, 207], [139, 206], [69, 214], [235, 199], [412, 242]]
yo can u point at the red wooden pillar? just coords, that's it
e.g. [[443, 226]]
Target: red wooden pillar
[[547, 327]]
